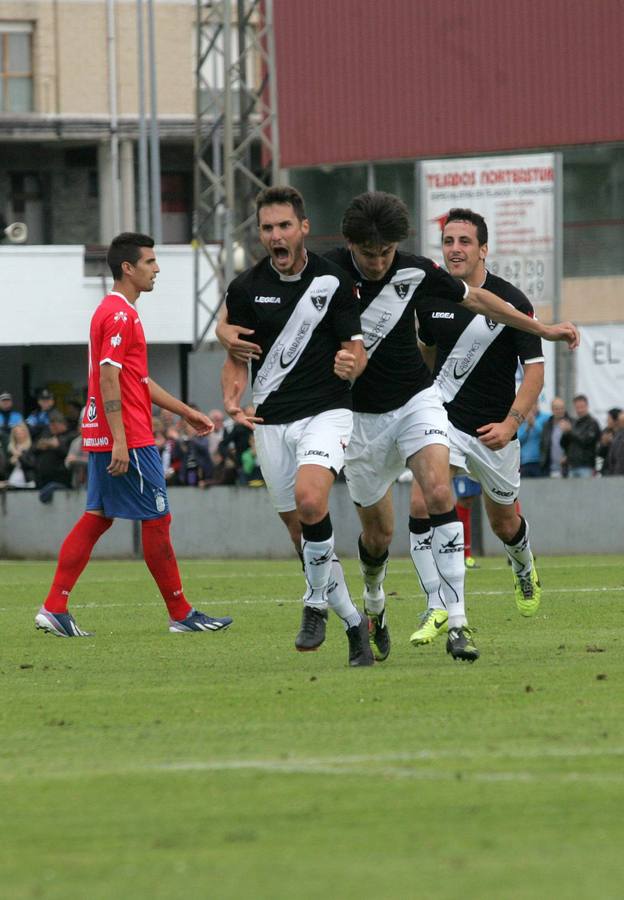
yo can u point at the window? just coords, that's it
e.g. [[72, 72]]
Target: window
[[16, 76]]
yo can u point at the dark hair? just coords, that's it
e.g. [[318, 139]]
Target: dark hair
[[126, 247], [614, 412], [457, 214], [580, 397], [375, 218], [281, 194]]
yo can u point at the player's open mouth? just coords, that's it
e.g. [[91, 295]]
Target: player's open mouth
[[280, 254]]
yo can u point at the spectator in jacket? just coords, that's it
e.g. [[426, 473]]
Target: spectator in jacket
[[50, 451], [608, 434], [580, 440], [530, 436], [9, 417], [614, 463], [39, 419], [552, 456]]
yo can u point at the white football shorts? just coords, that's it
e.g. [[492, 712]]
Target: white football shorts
[[382, 442], [319, 440], [498, 471]]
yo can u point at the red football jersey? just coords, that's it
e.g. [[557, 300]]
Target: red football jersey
[[116, 337]]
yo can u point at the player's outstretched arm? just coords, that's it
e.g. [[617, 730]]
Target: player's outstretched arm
[[234, 377], [229, 336], [199, 420], [480, 300]]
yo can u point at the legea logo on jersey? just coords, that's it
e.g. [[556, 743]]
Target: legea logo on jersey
[[260, 299], [91, 410], [116, 340], [318, 301], [442, 315]]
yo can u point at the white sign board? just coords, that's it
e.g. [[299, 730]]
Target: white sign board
[[516, 197], [600, 368]]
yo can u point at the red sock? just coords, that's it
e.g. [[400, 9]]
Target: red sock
[[463, 513], [73, 557], [159, 555]]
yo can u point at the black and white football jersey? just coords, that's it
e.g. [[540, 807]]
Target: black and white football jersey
[[396, 370], [299, 323], [477, 359]]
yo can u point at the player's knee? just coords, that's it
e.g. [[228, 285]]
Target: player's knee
[[439, 498], [311, 505], [505, 528], [377, 540]]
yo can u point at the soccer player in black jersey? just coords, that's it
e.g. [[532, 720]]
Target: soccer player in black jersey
[[303, 314], [474, 362], [399, 418]]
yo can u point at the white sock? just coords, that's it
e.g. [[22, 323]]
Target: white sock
[[317, 564], [339, 598], [447, 545], [520, 553], [374, 575], [422, 557]]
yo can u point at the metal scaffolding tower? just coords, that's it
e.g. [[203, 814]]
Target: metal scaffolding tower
[[236, 143]]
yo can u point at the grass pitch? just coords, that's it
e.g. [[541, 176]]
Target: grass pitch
[[140, 764]]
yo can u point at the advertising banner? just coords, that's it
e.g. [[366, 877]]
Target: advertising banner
[[516, 196], [600, 368]]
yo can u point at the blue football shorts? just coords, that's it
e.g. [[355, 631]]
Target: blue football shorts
[[466, 486], [139, 494]]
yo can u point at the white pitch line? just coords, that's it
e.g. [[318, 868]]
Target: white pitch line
[[386, 765], [471, 595]]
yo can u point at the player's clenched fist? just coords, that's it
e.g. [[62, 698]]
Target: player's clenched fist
[[344, 365]]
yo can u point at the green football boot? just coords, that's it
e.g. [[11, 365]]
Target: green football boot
[[432, 623], [528, 591]]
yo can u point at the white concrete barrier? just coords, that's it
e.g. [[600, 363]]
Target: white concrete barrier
[[566, 517]]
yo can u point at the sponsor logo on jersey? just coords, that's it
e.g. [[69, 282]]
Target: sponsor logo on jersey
[[465, 365], [96, 442], [260, 299], [502, 493], [120, 315], [91, 410], [115, 340], [435, 431], [291, 353], [402, 289], [442, 315], [317, 453], [318, 301], [377, 332]]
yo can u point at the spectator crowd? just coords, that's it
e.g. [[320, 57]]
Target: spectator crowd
[[43, 451]]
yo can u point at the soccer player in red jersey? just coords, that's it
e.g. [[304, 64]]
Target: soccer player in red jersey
[[125, 475]]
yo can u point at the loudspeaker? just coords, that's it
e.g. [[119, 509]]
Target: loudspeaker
[[17, 233]]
